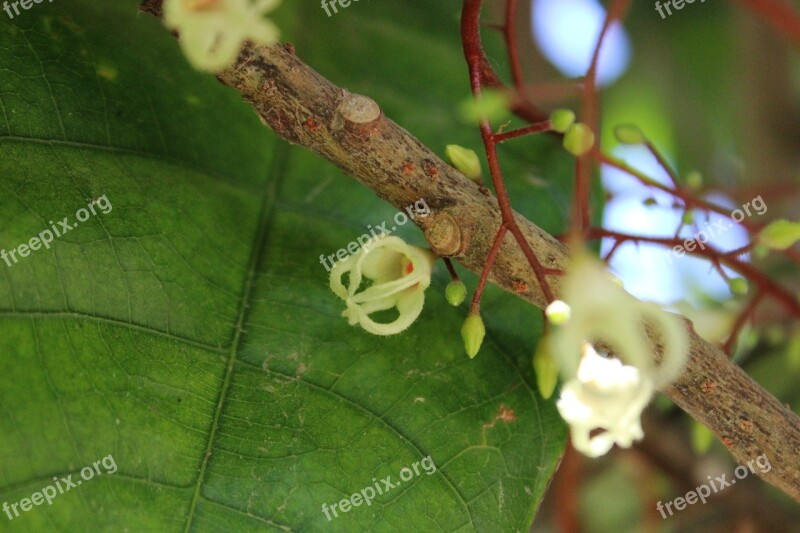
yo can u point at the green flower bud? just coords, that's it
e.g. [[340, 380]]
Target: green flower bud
[[578, 139], [545, 367], [688, 217], [472, 332], [780, 235], [464, 160], [694, 180], [558, 313], [561, 119], [456, 293], [493, 104], [629, 134], [702, 438], [738, 286]]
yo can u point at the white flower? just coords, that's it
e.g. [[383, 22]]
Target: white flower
[[212, 32], [603, 393], [399, 273]]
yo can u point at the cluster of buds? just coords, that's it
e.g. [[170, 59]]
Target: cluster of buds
[[578, 137]]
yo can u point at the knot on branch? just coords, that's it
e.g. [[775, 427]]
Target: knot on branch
[[444, 235], [356, 114]]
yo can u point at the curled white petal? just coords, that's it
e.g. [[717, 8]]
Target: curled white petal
[[399, 274]]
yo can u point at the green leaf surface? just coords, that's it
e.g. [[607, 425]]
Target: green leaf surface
[[189, 332]]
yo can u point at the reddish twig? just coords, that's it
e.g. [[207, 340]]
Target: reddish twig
[[511, 45], [539, 127], [764, 284], [487, 268], [663, 164], [478, 75], [591, 117]]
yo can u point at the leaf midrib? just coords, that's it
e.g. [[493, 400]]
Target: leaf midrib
[[277, 171]]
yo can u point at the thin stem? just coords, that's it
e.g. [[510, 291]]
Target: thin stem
[[591, 117], [451, 269], [745, 269], [663, 164], [487, 269], [511, 45], [539, 127], [473, 51]]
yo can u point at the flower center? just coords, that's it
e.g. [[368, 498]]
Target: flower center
[[408, 268]]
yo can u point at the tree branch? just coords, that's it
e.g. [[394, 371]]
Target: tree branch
[[351, 132]]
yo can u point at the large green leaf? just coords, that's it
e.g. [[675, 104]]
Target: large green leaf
[[189, 332]]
